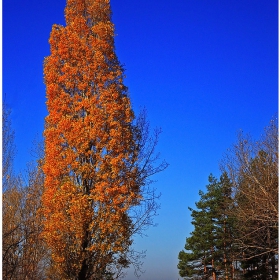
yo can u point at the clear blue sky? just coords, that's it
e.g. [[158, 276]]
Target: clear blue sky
[[203, 69]]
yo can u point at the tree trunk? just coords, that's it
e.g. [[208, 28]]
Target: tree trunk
[[225, 255], [83, 271], [213, 270]]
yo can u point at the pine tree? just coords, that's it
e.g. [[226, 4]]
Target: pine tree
[[209, 250], [226, 227]]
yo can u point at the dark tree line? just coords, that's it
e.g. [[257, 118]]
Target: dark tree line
[[235, 222]]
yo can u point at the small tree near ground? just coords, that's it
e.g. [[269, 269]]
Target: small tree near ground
[[24, 254]]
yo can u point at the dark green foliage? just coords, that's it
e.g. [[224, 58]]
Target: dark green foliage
[[209, 249]]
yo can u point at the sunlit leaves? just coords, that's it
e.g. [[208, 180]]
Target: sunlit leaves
[[90, 150]]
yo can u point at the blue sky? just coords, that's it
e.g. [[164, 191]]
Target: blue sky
[[203, 69]]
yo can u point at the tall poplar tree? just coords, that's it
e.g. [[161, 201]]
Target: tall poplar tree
[[92, 171]]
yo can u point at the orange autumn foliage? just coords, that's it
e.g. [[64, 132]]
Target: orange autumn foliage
[[90, 150]]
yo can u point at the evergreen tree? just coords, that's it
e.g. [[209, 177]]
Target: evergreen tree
[[209, 250]]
